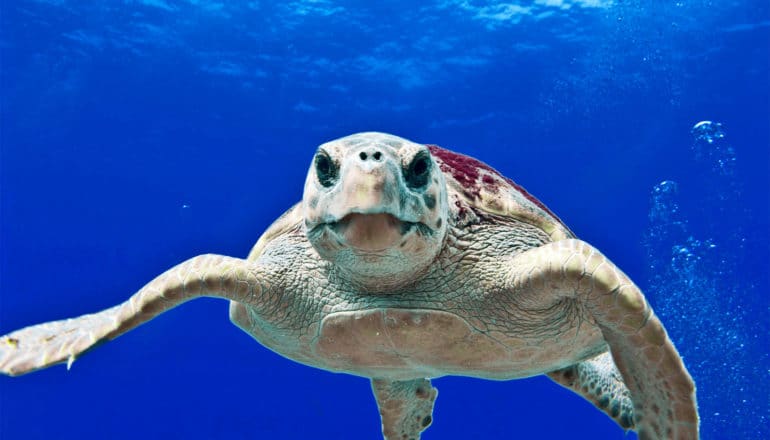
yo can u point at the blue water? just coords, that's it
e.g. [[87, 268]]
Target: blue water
[[137, 134]]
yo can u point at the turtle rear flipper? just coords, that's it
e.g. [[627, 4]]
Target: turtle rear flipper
[[406, 407], [40, 346], [599, 381]]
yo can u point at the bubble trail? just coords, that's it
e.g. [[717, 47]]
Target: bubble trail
[[697, 286]]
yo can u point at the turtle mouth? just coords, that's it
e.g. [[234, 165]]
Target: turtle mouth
[[367, 233], [372, 232]]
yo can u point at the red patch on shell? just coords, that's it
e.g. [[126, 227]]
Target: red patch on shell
[[490, 184], [465, 171]]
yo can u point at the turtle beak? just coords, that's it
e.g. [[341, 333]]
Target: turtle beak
[[364, 191], [366, 208], [368, 190]]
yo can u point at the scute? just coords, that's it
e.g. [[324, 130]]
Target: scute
[[407, 344], [475, 186]]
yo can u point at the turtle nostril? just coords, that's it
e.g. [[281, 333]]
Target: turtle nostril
[[373, 155]]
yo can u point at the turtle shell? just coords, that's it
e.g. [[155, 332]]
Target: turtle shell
[[475, 189]]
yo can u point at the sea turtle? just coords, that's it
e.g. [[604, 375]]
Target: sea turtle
[[405, 262]]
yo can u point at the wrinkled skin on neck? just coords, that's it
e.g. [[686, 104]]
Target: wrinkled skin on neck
[[375, 206]]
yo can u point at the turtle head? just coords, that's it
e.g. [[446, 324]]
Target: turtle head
[[375, 205]]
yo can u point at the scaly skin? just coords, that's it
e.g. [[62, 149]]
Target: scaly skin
[[661, 389], [604, 387], [406, 407], [43, 345], [462, 280]]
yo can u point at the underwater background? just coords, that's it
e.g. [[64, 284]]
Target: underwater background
[[137, 134]]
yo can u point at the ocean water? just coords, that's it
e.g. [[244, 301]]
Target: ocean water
[[137, 134]]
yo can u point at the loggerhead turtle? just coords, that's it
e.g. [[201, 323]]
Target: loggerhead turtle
[[406, 262]]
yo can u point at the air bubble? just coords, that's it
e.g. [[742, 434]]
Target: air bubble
[[664, 206], [710, 145]]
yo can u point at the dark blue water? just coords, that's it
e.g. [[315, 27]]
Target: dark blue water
[[137, 134]]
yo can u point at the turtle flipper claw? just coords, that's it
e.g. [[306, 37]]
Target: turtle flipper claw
[[43, 345]]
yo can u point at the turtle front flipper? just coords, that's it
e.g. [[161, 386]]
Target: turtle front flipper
[[599, 381], [662, 390], [43, 345], [406, 407]]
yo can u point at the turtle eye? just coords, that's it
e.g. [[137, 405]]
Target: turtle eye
[[418, 171], [325, 169]]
